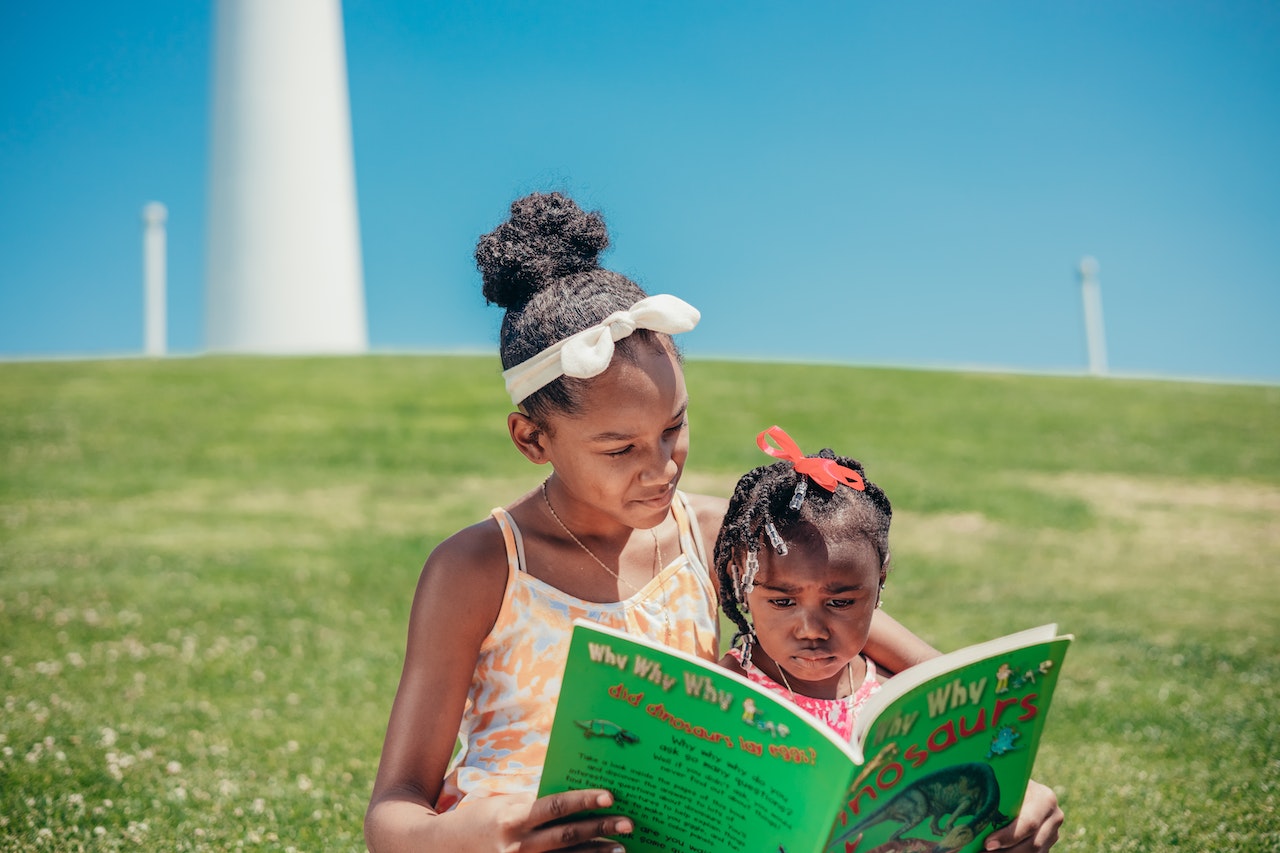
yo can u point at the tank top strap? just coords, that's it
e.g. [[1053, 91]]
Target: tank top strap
[[687, 521], [511, 537]]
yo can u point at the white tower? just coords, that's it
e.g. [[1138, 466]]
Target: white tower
[[1093, 331], [284, 270], [154, 274]]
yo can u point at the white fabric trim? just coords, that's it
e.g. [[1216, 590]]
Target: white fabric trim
[[588, 353]]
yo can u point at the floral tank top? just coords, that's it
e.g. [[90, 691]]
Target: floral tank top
[[839, 714], [516, 685]]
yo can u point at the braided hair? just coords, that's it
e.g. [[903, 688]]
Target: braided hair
[[765, 497], [542, 266]]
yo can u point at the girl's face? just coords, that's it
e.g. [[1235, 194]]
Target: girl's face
[[619, 459], [812, 608]]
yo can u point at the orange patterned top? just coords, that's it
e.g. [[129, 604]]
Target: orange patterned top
[[516, 684]]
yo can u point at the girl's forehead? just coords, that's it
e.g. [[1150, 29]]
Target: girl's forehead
[[651, 387], [813, 559]]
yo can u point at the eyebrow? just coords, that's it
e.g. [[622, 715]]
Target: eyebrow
[[626, 436], [833, 589]]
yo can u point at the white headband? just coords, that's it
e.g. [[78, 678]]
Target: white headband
[[588, 353]]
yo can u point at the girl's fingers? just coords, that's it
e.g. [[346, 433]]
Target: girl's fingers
[[567, 833]]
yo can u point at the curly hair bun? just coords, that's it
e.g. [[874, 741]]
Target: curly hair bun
[[547, 237]]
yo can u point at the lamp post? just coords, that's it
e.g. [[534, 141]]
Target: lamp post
[[1094, 335], [154, 275]]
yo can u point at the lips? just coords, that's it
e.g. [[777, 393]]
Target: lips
[[813, 659], [659, 500]]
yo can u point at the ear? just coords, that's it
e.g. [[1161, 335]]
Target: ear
[[528, 437]]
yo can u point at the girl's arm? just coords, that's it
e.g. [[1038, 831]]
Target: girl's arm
[[893, 647], [455, 605]]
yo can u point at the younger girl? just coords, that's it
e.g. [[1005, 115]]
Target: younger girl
[[804, 551]]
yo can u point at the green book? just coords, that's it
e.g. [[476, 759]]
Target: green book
[[704, 761]]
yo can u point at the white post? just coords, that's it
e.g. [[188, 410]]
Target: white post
[[284, 269], [1094, 335], [154, 273]]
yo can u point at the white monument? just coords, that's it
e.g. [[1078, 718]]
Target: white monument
[[154, 275], [1093, 330], [284, 269]]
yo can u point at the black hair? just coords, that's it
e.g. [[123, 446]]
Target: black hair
[[542, 266], [766, 495]]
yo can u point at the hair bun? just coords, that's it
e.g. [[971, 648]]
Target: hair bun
[[547, 237]]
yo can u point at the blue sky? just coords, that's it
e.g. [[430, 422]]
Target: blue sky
[[904, 183]]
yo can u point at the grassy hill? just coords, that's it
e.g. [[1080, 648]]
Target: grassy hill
[[206, 567]]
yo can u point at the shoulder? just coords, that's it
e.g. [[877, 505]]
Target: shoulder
[[462, 584], [710, 512], [731, 663]]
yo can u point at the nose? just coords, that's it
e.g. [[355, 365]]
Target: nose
[[810, 625], [665, 465]]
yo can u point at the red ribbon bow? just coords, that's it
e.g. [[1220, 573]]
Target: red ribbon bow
[[825, 472]]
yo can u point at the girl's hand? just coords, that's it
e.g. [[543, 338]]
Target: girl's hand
[[1036, 827], [520, 822]]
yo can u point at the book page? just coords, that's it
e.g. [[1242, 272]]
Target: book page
[[700, 758]]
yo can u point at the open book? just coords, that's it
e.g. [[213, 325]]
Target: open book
[[704, 761]]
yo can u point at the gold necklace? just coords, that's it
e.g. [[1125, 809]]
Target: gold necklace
[[657, 547]]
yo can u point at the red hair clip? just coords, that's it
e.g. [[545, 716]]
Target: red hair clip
[[825, 472]]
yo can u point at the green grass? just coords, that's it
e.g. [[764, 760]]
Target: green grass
[[206, 568]]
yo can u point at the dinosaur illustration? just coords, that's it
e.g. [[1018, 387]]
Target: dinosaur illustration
[[965, 789], [886, 755], [1003, 741], [605, 728]]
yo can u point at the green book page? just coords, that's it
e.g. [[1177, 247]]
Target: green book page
[[701, 759], [948, 760]]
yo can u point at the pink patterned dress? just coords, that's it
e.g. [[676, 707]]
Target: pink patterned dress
[[839, 714], [516, 685]]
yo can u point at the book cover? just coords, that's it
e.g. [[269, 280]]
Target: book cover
[[704, 761]]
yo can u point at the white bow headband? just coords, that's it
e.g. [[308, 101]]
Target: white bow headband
[[588, 353]]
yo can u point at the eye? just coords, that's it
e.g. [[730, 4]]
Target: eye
[[684, 423], [623, 452], [782, 602], [841, 603]]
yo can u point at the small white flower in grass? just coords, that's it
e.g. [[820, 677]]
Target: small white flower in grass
[[304, 782], [109, 737], [44, 833], [291, 746], [173, 768], [75, 799], [317, 815], [179, 793], [49, 667], [99, 831], [258, 676], [259, 805], [75, 659]]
